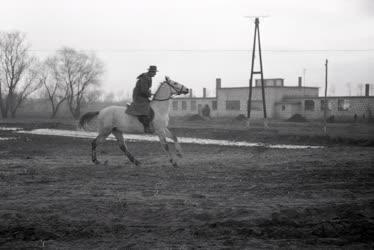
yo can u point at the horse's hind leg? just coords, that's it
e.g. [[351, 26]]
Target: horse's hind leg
[[99, 139], [123, 147]]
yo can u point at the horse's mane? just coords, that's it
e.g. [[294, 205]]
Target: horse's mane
[[158, 88]]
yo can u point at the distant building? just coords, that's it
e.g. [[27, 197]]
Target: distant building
[[281, 102]]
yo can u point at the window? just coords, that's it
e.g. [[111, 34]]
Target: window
[[232, 105], [193, 105], [343, 105], [184, 105], [278, 82], [175, 105], [309, 105], [199, 107], [323, 105], [214, 105], [283, 107]]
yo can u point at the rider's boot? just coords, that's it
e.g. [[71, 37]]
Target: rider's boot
[[147, 123], [149, 129]]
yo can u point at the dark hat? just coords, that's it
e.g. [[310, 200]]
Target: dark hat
[[152, 68]]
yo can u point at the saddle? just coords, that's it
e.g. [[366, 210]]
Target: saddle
[[146, 120]]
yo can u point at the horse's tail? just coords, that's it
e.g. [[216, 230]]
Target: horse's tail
[[86, 118]]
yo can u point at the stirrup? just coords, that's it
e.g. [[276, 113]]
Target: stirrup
[[149, 129]]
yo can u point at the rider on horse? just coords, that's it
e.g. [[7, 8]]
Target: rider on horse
[[140, 106]]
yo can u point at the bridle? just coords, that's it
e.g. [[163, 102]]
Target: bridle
[[179, 91]]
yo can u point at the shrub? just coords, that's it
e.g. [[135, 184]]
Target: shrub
[[241, 117], [330, 119], [297, 118]]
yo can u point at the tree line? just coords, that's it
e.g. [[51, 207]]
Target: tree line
[[68, 75]]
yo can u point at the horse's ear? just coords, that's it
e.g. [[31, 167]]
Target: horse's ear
[[167, 78]]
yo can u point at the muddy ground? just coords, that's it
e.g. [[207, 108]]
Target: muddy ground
[[51, 195]]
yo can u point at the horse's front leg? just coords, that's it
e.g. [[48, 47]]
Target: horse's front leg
[[178, 148], [165, 147]]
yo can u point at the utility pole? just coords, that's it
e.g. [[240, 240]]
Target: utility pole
[[325, 102], [257, 37]]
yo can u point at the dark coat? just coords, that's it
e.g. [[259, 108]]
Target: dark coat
[[140, 95]]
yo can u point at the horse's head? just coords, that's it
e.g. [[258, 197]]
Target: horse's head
[[175, 87]]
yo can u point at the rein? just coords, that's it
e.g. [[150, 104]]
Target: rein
[[179, 91]]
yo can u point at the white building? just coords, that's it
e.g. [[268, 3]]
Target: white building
[[281, 102]]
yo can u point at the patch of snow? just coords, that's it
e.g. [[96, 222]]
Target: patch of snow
[[7, 138], [133, 137], [9, 129]]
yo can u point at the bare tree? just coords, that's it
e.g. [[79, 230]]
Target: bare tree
[[28, 86], [18, 72], [109, 97], [121, 97], [93, 95], [55, 89], [80, 72]]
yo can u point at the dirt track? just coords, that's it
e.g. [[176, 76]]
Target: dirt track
[[219, 197]]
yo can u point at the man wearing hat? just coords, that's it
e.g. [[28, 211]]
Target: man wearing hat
[[140, 106]]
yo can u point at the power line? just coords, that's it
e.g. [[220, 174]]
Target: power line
[[214, 50]]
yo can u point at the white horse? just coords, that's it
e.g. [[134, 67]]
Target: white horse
[[114, 120]]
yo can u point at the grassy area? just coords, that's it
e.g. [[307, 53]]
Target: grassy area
[[276, 128]]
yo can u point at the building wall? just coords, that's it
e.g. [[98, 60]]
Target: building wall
[[231, 94], [284, 111], [273, 94], [290, 93], [362, 106], [188, 111], [281, 103]]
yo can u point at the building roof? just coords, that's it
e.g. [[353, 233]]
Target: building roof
[[270, 87], [194, 98], [330, 97], [277, 78]]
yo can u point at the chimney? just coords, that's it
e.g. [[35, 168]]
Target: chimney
[[300, 81], [367, 88], [204, 92], [190, 92], [218, 83]]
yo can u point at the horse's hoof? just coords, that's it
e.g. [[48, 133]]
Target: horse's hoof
[[96, 162], [179, 154], [174, 163], [137, 163]]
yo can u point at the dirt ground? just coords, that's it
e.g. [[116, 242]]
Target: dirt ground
[[52, 196]]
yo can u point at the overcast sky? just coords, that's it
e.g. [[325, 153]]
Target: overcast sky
[[196, 41]]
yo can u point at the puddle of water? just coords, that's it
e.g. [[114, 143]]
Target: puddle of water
[[133, 137], [9, 129]]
